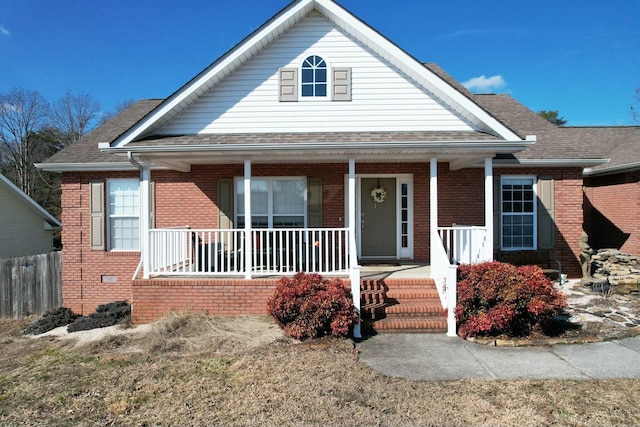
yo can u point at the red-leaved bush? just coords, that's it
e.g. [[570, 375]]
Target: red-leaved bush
[[308, 306], [496, 299]]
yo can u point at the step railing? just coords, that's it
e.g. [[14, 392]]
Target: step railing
[[443, 272]]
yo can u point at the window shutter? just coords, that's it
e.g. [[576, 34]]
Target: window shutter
[[288, 84], [152, 204], [546, 212], [497, 213], [314, 202], [342, 84], [225, 203], [96, 215]]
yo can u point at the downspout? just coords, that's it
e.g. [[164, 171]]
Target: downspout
[[133, 161]]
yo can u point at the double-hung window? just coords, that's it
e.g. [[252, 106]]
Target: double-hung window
[[518, 212], [123, 214], [275, 203]]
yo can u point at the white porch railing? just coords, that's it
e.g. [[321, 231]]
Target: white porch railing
[[273, 251], [444, 274], [451, 246], [465, 244]]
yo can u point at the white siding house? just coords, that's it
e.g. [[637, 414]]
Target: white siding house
[[25, 227]]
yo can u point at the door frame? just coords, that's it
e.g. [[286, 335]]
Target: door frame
[[401, 252]]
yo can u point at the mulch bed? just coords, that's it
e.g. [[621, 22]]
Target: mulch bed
[[105, 315]]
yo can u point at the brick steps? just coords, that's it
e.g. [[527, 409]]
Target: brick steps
[[401, 305]]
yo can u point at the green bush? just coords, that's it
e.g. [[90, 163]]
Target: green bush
[[308, 306], [496, 299]]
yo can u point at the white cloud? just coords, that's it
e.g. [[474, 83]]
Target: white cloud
[[3, 30], [484, 84]]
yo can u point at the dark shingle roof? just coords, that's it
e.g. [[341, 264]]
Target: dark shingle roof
[[620, 144], [85, 150]]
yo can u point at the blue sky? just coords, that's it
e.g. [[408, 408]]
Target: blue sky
[[579, 57]]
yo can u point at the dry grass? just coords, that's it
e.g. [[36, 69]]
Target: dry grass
[[196, 370]]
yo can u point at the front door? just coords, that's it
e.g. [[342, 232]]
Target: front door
[[378, 225]]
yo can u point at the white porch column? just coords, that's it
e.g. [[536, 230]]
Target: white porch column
[[354, 275], [248, 241], [433, 204], [145, 213], [488, 207]]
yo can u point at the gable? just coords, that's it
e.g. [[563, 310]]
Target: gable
[[382, 98], [270, 32]]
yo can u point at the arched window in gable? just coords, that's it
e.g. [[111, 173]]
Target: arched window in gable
[[314, 77]]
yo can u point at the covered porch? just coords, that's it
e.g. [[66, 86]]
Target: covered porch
[[254, 251]]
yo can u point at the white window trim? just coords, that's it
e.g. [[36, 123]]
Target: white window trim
[[270, 213], [109, 215], [534, 179], [326, 98]]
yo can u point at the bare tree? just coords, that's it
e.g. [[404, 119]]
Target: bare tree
[[22, 114], [635, 111], [73, 116]]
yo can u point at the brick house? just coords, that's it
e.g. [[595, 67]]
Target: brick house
[[338, 145], [612, 189]]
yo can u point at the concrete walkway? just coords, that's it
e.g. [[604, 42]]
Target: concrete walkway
[[438, 357]]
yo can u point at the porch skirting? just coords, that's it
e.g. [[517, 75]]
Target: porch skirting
[[154, 298]]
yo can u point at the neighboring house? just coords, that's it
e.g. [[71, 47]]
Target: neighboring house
[[340, 148], [612, 190], [25, 227]]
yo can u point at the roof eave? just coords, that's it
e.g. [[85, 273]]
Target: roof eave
[[559, 162], [630, 167], [89, 167]]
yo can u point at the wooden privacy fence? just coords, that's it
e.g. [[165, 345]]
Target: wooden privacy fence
[[30, 285]]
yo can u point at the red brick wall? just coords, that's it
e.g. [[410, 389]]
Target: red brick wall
[[189, 199], [611, 214]]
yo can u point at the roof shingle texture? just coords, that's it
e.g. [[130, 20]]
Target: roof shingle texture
[[85, 150]]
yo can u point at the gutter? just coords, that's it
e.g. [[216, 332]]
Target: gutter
[[498, 146], [612, 170]]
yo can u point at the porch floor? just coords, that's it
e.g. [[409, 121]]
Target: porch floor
[[402, 271]]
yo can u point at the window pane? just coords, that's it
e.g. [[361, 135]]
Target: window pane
[[307, 75], [288, 197], [321, 75], [321, 89], [307, 90], [288, 221]]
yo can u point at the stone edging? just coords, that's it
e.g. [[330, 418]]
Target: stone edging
[[522, 342]]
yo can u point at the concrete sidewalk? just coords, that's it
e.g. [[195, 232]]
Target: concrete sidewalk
[[438, 357]]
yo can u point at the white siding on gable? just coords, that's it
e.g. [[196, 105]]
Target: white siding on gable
[[382, 99]]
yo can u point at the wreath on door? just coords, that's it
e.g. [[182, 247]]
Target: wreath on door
[[378, 194]]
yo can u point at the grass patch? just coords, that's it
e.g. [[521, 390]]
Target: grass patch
[[197, 370]]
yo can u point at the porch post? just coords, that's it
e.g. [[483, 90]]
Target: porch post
[[145, 212], [488, 207], [354, 268], [248, 246], [433, 205]]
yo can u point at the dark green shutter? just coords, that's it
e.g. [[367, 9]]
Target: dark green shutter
[[96, 215], [546, 212], [314, 202]]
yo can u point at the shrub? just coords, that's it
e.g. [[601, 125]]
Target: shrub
[[308, 306], [496, 299]]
